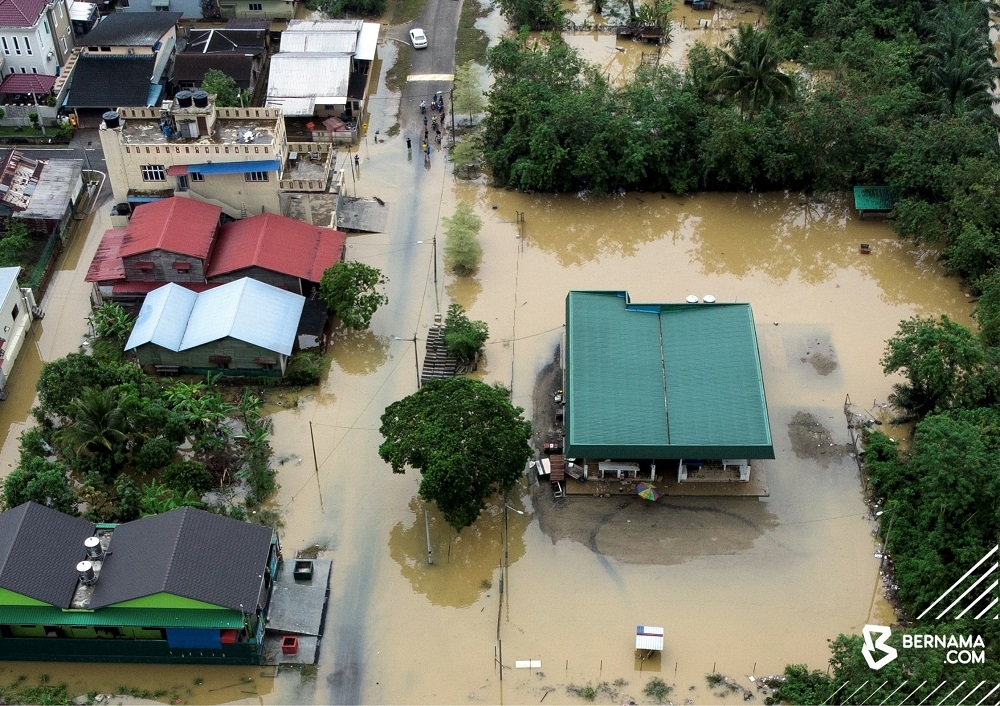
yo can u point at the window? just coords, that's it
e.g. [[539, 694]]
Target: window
[[256, 6], [222, 361], [256, 176], [91, 48], [34, 70], [45, 23], [105, 48], [182, 267], [182, 183], [27, 46], [6, 49], [24, 70], [62, 42], [153, 172], [197, 176], [145, 265], [15, 312]]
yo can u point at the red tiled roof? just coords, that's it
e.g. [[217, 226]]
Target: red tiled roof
[[278, 244], [20, 13], [107, 263], [27, 83], [177, 225], [147, 287]]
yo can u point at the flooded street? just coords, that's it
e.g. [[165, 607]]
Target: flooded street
[[742, 586]]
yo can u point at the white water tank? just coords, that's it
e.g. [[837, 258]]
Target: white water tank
[[86, 571], [709, 299], [691, 299], [95, 551]]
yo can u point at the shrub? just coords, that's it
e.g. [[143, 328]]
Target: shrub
[[461, 247], [464, 338], [187, 475], [155, 453], [305, 369]]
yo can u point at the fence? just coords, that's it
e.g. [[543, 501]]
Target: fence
[[18, 115]]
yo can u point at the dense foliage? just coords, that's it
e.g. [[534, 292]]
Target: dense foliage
[[223, 86], [466, 439], [353, 291], [110, 440], [890, 93], [464, 338], [15, 242], [341, 8]]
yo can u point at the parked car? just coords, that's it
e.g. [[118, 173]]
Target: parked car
[[418, 39]]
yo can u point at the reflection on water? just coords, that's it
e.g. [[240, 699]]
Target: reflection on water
[[464, 291], [359, 352], [464, 564]]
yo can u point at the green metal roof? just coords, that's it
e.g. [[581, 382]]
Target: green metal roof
[[120, 617], [874, 198], [662, 380]]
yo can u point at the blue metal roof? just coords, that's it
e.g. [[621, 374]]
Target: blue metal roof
[[264, 165], [163, 317], [144, 199]]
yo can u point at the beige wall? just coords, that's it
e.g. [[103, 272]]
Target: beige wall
[[231, 192], [13, 330]]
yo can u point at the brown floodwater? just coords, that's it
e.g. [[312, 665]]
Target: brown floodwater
[[742, 587]]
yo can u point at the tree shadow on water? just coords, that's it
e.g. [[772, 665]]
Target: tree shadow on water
[[465, 564], [360, 352]]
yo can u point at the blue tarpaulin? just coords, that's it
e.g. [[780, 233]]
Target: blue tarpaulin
[[266, 165]]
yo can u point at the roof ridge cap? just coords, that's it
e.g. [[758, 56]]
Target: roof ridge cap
[[173, 549], [20, 522]]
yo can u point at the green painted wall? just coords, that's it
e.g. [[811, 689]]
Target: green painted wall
[[27, 631], [166, 600], [244, 357], [144, 651], [11, 598]]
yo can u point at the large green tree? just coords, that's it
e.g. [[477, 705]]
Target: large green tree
[[352, 290], [533, 14], [461, 245], [40, 481], [466, 439], [945, 366]]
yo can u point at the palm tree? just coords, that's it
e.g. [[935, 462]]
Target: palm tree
[[957, 64], [97, 425], [748, 68]]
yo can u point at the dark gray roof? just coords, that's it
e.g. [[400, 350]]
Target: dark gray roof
[[185, 552], [211, 41], [112, 81], [130, 29], [193, 67], [39, 551]]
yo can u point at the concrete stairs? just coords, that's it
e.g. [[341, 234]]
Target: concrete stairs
[[66, 72], [439, 364]]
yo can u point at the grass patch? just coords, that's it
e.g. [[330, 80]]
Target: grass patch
[[396, 76], [471, 43], [25, 131]]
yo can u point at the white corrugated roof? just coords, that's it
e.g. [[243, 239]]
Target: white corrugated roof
[[319, 42], [82, 11], [163, 318], [367, 42], [247, 310], [299, 75], [293, 107], [8, 275], [323, 26], [648, 637]]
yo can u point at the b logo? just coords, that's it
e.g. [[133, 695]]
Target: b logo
[[882, 634]]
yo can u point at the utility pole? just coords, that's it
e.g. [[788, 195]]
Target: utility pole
[[452, 106], [427, 527]]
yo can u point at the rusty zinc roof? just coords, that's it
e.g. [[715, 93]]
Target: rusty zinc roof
[[278, 244], [177, 224]]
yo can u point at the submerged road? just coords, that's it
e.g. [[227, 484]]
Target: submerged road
[[412, 185]]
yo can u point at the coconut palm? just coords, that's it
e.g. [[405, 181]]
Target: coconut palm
[[748, 69], [97, 425], [957, 67]]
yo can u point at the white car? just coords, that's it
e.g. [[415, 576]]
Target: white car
[[418, 39]]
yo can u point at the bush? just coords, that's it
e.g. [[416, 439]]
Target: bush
[[464, 338], [658, 690], [155, 453], [187, 475], [305, 369]]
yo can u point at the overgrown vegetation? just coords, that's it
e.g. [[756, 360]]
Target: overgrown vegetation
[[134, 445], [657, 690], [461, 244], [223, 86], [468, 91], [471, 42], [340, 8], [15, 242], [464, 338]]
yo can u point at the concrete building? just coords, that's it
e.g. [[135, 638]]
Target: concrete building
[[674, 390], [16, 315], [35, 35], [123, 62], [235, 50], [44, 193]]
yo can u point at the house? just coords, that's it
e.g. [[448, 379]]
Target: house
[[35, 35], [323, 70], [260, 9], [16, 314], [135, 48], [186, 586], [231, 157], [188, 9], [236, 51], [244, 327], [280, 251], [671, 389], [167, 240], [42, 192]]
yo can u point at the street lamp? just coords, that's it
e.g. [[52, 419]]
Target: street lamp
[[416, 360]]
